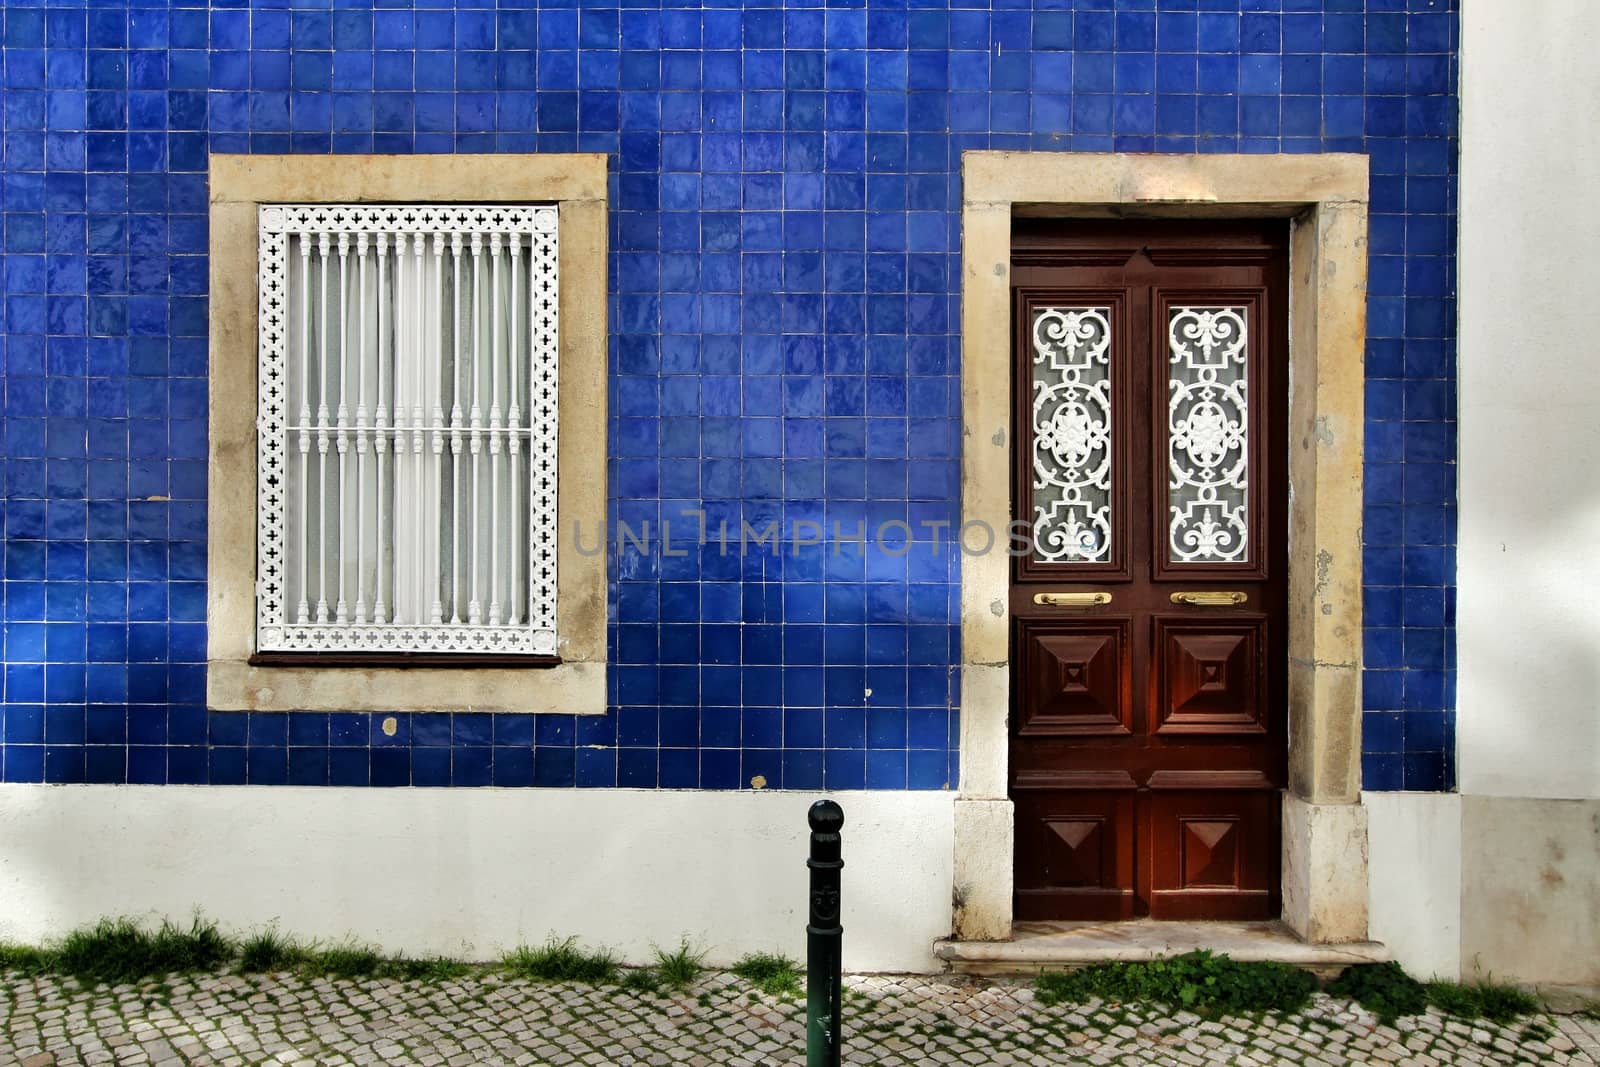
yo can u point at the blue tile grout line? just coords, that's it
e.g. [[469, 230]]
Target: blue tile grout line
[[784, 269]]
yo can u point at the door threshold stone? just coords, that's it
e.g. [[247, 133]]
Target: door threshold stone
[[1039, 946]]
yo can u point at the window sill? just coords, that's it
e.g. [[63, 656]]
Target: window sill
[[571, 687], [403, 660]]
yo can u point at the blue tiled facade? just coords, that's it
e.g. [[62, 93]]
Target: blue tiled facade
[[784, 270]]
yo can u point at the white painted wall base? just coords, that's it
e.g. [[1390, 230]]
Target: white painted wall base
[[1414, 871], [471, 872], [1464, 886], [1530, 878]]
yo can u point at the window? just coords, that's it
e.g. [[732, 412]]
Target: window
[[407, 433], [406, 452]]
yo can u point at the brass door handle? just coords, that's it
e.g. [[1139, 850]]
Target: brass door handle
[[1210, 598], [1071, 600]]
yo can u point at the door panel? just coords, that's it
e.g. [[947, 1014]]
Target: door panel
[[1148, 620], [1075, 853], [1210, 676], [1078, 678], [1214, 854]]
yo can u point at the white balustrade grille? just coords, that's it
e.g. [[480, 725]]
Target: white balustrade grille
[[1208, 432], [1072, 434], [407, 411]]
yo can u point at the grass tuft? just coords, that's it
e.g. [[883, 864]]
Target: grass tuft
[[1202, 982], [774, 975], [1384, 989], [1484, 999], [1536, 1031], [347, 960], [269, 951], [423, 968], [25, 959], [120, 950], [679, 968], [560, 960], [642, 980]]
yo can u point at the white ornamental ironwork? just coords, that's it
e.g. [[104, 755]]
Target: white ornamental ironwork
[[1072, 434], [1208, 432], [406, 417]]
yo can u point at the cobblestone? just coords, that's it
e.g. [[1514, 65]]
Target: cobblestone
[[489, 1018]]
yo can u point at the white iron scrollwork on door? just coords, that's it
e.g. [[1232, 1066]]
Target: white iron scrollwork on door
[[1072, 434], [1208, 432]]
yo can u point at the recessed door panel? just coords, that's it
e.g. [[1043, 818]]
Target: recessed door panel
[[1211, 676], [1075, 852], [1078, 679], [1148, 617], [1213, 853]]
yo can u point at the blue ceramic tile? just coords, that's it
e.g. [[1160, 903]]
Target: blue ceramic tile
[[785, 258], [348, 766], [308, 766], [472, 765], [514, 767], [430, 767], [390, 767]]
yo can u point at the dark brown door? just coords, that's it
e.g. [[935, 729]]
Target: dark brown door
[[1148, 617]]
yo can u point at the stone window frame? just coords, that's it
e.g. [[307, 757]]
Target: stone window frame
[[1325, 198], [239, 184]]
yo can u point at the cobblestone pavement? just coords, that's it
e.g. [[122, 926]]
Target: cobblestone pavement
[[492, 1019]]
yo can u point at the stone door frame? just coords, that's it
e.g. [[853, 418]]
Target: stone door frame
[[1325, 198]]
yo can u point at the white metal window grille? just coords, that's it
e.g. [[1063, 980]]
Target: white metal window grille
[[1072, 434], [1208, 430], [406, 476]]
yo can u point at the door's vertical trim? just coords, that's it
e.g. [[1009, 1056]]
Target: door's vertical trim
[[1326, 195]]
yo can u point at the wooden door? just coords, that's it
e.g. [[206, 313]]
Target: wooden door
[[1148, 616]]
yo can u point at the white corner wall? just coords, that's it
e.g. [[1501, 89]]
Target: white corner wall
[[1414, 879], [1528, 609], [472, 872], [1528, 614]]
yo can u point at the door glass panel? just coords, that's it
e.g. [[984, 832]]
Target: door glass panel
[[1208, 431], [1072, 434]]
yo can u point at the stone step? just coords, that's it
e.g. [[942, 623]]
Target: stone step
[[1039, 946]]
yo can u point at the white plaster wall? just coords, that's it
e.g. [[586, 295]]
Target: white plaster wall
[[470, 872], [1414, 879], [1528, 615], [1529, 874], [1528, 620]]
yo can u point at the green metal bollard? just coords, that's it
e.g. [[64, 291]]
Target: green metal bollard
[[824, 938]]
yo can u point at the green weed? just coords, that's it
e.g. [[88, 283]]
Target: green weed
[[772, 974], [423, 969], [1482, 999], [1536, 1031], [120, 950], [25, 959], [1202, 982], [679, 968], [347, 960], [269, 951], [561, 961], [1384, 989], [642, 980]]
